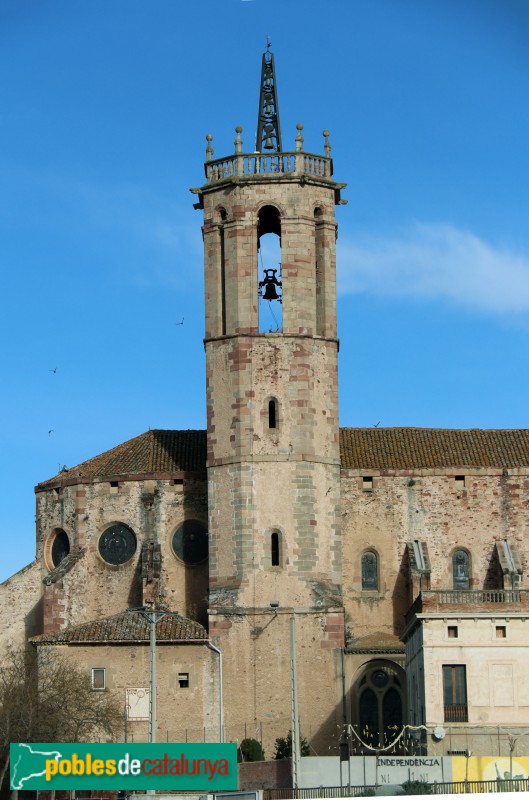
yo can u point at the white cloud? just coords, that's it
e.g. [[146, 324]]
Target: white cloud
[[436, 261]]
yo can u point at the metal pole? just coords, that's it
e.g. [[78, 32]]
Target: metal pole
[[295, 714], [221, 702], [152, 704]]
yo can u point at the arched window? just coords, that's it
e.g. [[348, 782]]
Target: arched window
[[461, 569], [274, 549], [378, 705], [272, 413], [369, 571], [60, 547], [269, 270]]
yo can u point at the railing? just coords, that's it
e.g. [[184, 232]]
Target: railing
[[431, 599], [481, 787], [462, 596], [455, 787], [456, 712], [319, 791], [268, 164]]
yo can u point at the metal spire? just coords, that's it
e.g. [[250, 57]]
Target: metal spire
[[268, 128]]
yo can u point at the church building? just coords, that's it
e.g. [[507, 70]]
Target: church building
[[386, 567]]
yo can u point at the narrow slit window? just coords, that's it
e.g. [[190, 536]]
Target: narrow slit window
[[272, 414], [274, 548]]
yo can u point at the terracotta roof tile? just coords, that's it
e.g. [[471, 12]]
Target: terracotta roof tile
[[160, 451], [152, 451], [428, 448], [128, 626]]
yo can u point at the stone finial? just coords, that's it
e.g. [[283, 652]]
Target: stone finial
[[209, 149], [327, 146], [299, 138], [238, 140]]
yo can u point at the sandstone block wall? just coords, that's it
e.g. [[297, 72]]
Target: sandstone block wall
[[435, 508]]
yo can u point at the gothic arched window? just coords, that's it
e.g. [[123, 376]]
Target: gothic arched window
[[378, 705], [461, 569], [369, 571]]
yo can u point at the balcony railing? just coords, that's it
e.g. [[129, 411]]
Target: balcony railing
[[456, 713], [248, 164], [432, 600]]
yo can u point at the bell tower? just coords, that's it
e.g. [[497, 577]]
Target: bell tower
[[272, 430]]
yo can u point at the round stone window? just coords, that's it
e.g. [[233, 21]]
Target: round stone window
[[190, 542], [60, 547], [117, 544]]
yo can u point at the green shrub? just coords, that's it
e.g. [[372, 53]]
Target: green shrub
[[284, 746], [416, 787], [250, 750]]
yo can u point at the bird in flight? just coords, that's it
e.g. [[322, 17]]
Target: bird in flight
[[50, 431], [180, 323], [54, 370]]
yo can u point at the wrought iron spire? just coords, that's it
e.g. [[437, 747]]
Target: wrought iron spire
[[268, 128]]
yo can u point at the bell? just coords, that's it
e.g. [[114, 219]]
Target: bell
[[270, 292], [268, 145]]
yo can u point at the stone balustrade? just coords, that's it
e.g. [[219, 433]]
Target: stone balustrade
[[468, 600]]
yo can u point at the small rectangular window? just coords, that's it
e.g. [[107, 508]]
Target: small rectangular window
[[460, 481], [367, 483], [501, 632], [453, 632], [183, 680], [98, 679], [178, 482]]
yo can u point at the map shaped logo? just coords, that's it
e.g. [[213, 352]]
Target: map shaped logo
[[28, 763]]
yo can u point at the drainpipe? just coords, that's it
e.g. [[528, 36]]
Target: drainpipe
[[221, 703]]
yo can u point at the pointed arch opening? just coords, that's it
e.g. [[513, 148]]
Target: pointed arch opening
[[369, 571], [270, 284], [378, 707], [461, 569]]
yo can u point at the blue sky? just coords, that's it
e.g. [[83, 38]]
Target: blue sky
[[104, 108]]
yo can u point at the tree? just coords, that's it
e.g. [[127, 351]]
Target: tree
[[250, 750], [45, 698], [284, 746]]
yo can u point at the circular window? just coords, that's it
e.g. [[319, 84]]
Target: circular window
[[190, 542], [379, 678], [60, 547], [117, 544]]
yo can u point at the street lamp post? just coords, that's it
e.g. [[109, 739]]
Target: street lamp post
[[153, 617]]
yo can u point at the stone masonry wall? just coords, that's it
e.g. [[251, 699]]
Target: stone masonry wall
[[92, 588], [435, 508]]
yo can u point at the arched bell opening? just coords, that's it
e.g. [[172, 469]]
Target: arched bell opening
[[270, 285]]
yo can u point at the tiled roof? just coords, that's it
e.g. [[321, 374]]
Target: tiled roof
[[152, 451], [360, 448], [129, 626], [428, 448]]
